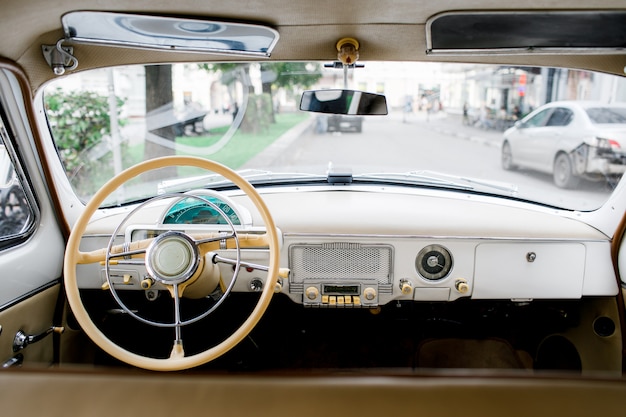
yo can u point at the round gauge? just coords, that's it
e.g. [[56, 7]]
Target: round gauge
[[433, 262], [193, 210]]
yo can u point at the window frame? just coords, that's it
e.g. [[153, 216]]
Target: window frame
[[8, 140]]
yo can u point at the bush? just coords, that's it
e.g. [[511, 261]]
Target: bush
[[79, 122]]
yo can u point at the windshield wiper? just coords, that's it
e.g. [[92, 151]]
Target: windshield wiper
[[261, 177], [437, 179]]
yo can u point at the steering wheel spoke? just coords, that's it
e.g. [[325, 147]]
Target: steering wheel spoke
[[132, 250], [220, 238], [175, 259]]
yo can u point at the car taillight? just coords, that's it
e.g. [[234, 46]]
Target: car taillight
[[608, 144]]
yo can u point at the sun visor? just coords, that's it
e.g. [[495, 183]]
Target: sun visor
[[169, 33], [509, 33]]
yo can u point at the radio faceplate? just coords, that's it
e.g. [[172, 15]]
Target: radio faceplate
[[342, 274]]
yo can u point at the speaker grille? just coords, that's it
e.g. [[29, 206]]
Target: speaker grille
[[340, 262]]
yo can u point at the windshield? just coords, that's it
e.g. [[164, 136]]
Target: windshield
[[485, 128]]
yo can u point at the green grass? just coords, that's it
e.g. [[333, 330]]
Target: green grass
[[241, 148]]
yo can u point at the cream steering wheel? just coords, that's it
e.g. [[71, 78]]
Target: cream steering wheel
[[177, 359]]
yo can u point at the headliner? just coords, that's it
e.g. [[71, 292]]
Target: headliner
[[387, 30]]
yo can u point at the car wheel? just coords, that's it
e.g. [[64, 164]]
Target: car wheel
[[563, 175], [507, 157]]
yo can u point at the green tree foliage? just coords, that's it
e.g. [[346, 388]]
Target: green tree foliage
[[293, 75], [79, 120]]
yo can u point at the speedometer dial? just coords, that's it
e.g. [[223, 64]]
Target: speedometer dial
[[433, 262], [196, 210]]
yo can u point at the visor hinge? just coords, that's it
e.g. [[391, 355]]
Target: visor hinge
[[60, 58]]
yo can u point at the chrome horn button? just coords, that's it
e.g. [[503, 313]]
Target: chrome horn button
[[172, 258]]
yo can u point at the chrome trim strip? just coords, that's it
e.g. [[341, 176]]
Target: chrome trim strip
[[29, 294], [479, 238], [525, 51]]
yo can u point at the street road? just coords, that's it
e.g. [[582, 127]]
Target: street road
[[413, 143]]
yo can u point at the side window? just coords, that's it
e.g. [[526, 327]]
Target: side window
[[560, 117], [538, 120], [16, 213]]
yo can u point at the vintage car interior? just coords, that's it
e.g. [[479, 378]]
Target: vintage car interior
[[164, 251]]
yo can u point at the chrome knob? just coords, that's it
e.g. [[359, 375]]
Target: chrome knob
[[461, 286], [312, 293], [406, 287], [369, 293]]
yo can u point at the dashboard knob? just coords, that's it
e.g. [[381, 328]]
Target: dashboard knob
[[278, 287], [369, 293], [406, 287], [461, 286], [312, 293], [146, 283]]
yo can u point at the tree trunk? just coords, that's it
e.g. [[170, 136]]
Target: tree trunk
[[159, 118], [267, 89]]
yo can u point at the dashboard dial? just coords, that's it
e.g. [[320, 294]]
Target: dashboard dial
[[194, 210], [433, 262]]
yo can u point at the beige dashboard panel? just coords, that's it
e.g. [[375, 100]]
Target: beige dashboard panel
[[529, 270]]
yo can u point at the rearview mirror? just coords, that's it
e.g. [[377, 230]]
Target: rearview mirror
[[348, 102]]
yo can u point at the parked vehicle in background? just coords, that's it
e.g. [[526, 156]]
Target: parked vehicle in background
[[570, 140], [337, 123]]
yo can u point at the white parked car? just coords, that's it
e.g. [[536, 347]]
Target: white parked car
[[571, 140]]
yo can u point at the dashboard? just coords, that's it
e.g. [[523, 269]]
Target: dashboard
[[367, 246]]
